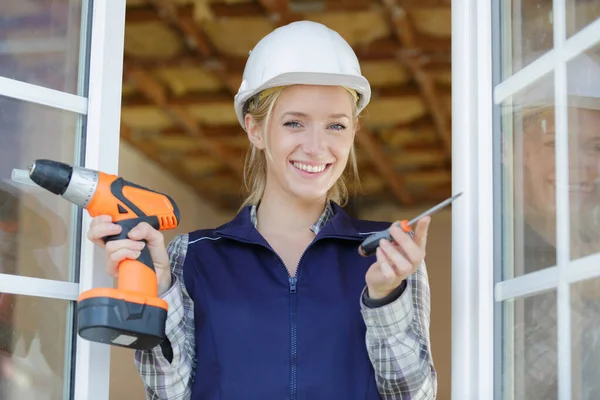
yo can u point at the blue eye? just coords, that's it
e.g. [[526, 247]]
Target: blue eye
[[292, 124], [338, 127]]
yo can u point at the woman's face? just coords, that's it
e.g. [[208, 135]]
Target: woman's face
[[310, 135], [584, 162]]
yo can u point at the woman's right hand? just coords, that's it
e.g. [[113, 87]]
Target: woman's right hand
[[118, 250]]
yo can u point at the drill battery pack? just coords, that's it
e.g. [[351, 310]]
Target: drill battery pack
[[114, 321]]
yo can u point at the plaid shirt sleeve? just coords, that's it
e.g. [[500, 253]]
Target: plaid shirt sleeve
[[162, 378], [398, 342]]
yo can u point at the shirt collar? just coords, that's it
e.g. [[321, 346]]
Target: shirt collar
[[316, 227]]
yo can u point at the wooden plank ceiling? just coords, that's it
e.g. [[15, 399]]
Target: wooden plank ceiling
[[184, 61]]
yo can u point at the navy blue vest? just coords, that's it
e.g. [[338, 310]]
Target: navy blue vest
[[261, 334]]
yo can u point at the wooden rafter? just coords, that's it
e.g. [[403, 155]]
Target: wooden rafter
[[383, 164], [200, 98], [405, 34], [157, 94], [196, 39]]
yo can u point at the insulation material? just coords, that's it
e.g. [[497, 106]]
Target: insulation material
[[385, 73], [214, 113], [182, 80], [392, 111], [358, 28], [146, 117], [152, 40], [237, 36], [432, 21]]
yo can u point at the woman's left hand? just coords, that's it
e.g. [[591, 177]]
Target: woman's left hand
[[397, 260]]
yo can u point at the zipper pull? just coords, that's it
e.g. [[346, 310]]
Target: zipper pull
[[293, 280]]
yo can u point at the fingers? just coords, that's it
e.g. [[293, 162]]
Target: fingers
[[414, 252], [421, 232], [398, 262], [119, 250], [101, 227], [144, 231], [384, 263]]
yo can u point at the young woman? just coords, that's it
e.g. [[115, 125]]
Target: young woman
[[273, 304]]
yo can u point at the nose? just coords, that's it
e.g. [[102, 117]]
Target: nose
[[314, 142]]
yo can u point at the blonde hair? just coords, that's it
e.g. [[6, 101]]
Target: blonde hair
[[255, 167]]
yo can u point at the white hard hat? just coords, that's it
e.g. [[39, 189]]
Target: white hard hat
[[583, 86], [302, 52]]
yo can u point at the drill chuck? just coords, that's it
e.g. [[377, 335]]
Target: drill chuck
[[75, 184], [51, 175]]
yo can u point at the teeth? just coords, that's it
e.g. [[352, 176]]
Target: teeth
[[581, 187], [577, 187], [310, 168]]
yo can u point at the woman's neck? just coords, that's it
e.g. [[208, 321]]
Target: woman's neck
[[280, 212]]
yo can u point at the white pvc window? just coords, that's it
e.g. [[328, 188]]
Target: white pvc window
[[60, 91], [526, 260]]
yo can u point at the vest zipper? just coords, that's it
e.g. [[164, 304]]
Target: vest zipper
[[294, 336], [293, 280], [294, 315]]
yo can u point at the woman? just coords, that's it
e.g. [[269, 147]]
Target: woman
[[273, 304]]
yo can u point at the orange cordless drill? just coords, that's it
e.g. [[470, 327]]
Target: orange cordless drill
[[132, 315]]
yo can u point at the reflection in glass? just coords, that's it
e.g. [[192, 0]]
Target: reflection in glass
[[530, 366], [34, 224], [40, 42], [583, 90], [526, 33], [581, 13], [529, 180], [585, 337], [34, 345]]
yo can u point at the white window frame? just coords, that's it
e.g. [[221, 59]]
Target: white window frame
[[477, 293], [102, 106]]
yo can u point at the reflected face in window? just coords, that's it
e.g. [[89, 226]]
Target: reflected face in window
[[539, 166]]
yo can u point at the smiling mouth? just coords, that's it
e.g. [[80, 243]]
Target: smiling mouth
[[580, 187], [311, 169]]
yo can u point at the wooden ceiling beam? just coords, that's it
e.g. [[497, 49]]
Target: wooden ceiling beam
[[406, 36], [369, 143], [226, 98], [434, 52], [195, 38], [157, 94], [257, 9]]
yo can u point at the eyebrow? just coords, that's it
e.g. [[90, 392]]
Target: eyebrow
[[301, 114]]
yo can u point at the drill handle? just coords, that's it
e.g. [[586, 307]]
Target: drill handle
[[126, 226]]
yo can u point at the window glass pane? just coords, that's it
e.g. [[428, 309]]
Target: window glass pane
[[35, 347], [583, 90], [41, 42], [581, 13], [35, 225], [526, 33], [529, 180], [585, 336], [530, 354]]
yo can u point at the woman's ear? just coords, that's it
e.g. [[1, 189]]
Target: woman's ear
[[254, 132]]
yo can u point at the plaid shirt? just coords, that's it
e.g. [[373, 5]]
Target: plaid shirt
[[397, 337]]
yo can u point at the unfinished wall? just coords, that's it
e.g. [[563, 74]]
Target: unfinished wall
[[125, 382]]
